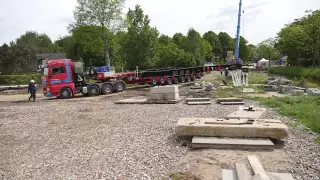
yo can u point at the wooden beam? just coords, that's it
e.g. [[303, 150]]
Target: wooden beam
[[257, 167]]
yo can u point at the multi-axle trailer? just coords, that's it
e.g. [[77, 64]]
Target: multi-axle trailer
[[64, 78]]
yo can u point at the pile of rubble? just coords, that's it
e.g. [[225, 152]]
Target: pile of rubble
[[202, 90], [285, 86]]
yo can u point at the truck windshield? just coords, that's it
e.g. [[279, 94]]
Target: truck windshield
[[45, 71]]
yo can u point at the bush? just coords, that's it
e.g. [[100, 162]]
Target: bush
[[22, 79], [298, 72]]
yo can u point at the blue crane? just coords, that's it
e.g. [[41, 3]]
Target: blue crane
[[236, 54]]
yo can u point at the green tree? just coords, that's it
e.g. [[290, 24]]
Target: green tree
[[165, 40], [180, 40], [292, 41], [266, 49], [139, 47], [104, 13], [226, 44], [244, 51], [214, 41]]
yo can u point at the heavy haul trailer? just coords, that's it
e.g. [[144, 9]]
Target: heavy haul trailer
[[64, 78]]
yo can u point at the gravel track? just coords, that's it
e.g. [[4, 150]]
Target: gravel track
[[90, 138]]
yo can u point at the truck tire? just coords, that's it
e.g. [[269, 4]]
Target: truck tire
[[119, 86], [183, 79], [65, 93], [154, 81], [176, 80], [106, 89], [169, 81], [162, 81], [189, 79], [93, 90]]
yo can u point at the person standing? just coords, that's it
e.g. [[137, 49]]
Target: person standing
[[32, 90]]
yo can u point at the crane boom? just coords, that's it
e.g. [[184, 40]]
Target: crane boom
[[236, 55]]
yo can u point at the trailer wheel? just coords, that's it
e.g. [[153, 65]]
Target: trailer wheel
[[93, 90], [106, 89], [154, 81], [162, 81], [176, 80], [65, 93], [189, 79], [169, 81], [119, 86], [183, 79]]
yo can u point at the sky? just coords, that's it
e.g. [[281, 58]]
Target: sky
[[262, 19]]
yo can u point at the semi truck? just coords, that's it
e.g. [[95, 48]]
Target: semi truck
[[64, 78]]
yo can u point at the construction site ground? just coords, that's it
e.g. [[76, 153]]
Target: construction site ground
[[93, 138]]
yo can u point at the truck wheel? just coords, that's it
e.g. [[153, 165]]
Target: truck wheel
[[189, 79], [106, 89], [162, 81], [169, 81], [176, 80], [93, 90], [119, 86], [65, 93], [183, 80]]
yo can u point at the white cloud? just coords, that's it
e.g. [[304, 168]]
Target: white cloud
[[262, 18]]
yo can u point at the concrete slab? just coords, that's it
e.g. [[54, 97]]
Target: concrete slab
[[197, 99], [144, 100], [248, 90], [229, 174], [229, 100], [199, 103], [215, 127], [257, 114], [232, 103], [232, 143]]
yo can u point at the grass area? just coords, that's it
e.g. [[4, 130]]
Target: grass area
[[257, 78], [306, 109]]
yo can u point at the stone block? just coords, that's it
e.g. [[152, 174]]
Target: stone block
[[313, 91], [259, 128], [164, 93], [296, 92], [229, 100]]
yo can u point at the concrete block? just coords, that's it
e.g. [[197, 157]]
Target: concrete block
[[164, 89], [231, 128], [232, 103], [258, 113], [199, 103], [229, 100]]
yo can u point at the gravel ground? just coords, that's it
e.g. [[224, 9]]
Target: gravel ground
[[92, 138]]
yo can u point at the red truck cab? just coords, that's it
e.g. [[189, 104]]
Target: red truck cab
[[58, 75], [64, 78]]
